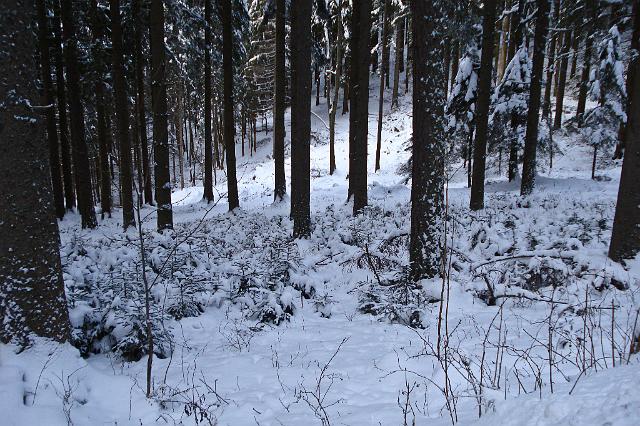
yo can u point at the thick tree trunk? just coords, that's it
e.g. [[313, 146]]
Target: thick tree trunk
[[280, 187], [533, 116], [482, 106], [229, 126], [208, 139], [48, 100], [428, 142], [384, 79], [301, 118], [63, 126], [631, 76], [122, 116], [78, 142], [625, 235], [359, 103], [159, 106], [32, 300]]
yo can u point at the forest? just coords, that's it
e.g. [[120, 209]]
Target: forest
[[331, 212]]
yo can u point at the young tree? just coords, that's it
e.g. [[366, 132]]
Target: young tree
[[484, 99], [428, 148], [48, 98], [32, 299], [533, 114], [159, 103], [607, 89], [76, 110], [625, 235], [359, 103], [280, 187], [229, 126], [301, 117], [122, 116]]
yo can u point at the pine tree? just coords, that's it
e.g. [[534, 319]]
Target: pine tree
[[160, 129], [607, 89], [533, 113], [428, 141], [32, 299], [229, 126], [122, 116], [484, 99], [625, 235], [359, 103], [208, 140], [280, 187], [76, 113]]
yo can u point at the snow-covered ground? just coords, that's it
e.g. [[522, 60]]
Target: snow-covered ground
[[541, 354]]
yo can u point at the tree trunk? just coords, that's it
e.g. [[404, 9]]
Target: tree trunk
[[301, 118], [590, 14], [482, 106], [502, 55], [383, 79], [428, 147], [551, 55], [229, 126], [78, 142], [48, 99], [63, 126], [122, 116], [336, 96], [625, 235], [159, 106], [562, 79], [359, 103], [32, 300], [533, 116], [208, 139], [179, 133], [631, 76], [280, 187]]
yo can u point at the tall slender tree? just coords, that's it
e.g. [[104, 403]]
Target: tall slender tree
[[280, 187], [122, 116], [229, 125], [533, 116], [625, 235], [208, 140], [48, 98], [359, 103], [483, 103], [76, 110], [562, 78], [384, 77], [159, 105], [301, 43], [32, 297], [590, 20], [428, 147]]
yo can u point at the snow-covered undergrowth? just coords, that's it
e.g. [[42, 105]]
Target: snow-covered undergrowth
[[252, 327]]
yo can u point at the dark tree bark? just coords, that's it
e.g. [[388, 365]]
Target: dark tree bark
[[122, 116], [533, 116], [399, 60], [428, 148], [562, 79], [336, 95], [384, 78], [76, 111], [591, 15], [99, 88], [359, 103], [515, 40], [625, 235], [48, 98], [551, 62], [159, 106], [140, 96], [229, 125], [301, 118], [280, 187], [482, 105], [63, 126], [32, 300], [631, 76], [208, 140]]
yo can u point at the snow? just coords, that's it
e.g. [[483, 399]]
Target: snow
[[227, 368]]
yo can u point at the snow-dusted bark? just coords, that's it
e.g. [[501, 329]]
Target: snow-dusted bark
[[428, 150], [31, 286]]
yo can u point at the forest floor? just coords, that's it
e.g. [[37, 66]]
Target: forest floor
[[534, 315]]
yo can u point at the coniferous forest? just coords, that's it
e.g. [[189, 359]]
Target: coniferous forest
[[331, 212]]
